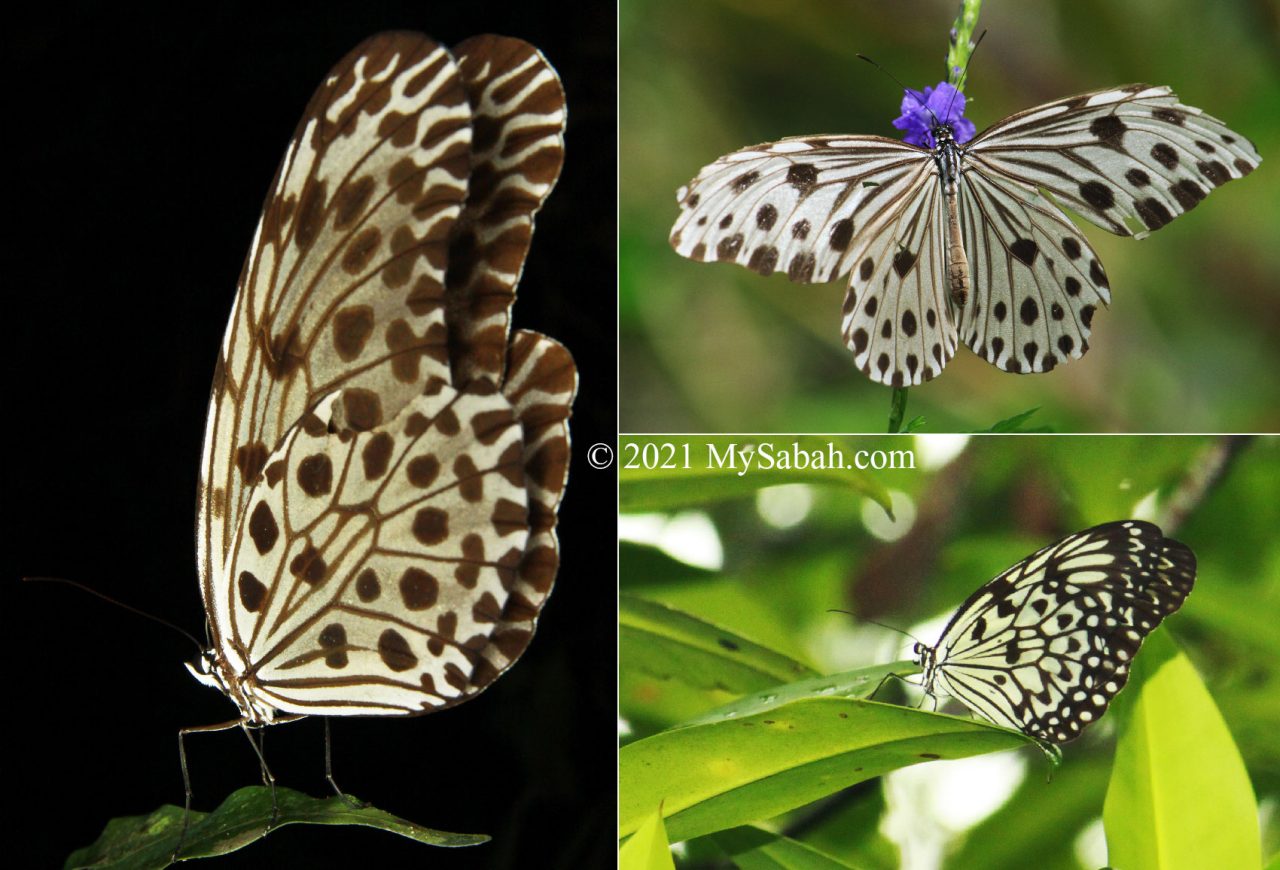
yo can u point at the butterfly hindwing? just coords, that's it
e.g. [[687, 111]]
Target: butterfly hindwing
[[375, 562], [1046, 645], [897, 320], [1041, 280]]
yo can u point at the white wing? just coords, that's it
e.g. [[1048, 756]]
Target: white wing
[[818, 207], [1045, 646], [383, 463], [1125, 158]]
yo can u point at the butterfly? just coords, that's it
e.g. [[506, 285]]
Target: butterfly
[[1045, 646], [383, 457], [947, 238]]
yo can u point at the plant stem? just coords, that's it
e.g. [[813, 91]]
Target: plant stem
[[962, 41], [1206, 472], [897, 409]]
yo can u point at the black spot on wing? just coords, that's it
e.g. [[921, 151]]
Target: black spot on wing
[[841, 234], [802, 178], [1164, 155], [1137, 177], [1108, 128], [1153, 212], [1097, 195], [1025, 250]]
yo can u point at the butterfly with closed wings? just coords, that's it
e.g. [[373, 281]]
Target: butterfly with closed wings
[[383, 457], [1045, 646], [950, 238]]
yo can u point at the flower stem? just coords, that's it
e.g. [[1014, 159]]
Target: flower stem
[[897, 409], [962, 42]]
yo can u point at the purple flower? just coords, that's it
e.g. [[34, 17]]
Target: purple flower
[[923, 111]]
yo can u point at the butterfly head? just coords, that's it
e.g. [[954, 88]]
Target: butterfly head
[[205, 669], [217, 673], [923, 656]]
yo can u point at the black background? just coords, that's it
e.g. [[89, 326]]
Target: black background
[[141, 146]]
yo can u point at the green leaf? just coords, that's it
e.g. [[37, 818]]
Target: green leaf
[[680, 479], [648, 849], [1013, 424], [753, 848], [141, 842], [860, 683], [720, 774], [664, 651], [1179, 794]]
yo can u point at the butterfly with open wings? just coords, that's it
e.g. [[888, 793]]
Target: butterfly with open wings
[[953, 240]]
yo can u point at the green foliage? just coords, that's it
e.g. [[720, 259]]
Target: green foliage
[[728, 770], [140, 842], [648, 848], [754, 848], [686, 696], [1180, 795]]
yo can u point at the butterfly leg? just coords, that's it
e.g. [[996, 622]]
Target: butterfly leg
[[186, 777], [268, 779], [354, 803]]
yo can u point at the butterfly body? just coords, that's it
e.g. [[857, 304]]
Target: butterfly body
[[946, 155], [1046, 645], [947, 241]]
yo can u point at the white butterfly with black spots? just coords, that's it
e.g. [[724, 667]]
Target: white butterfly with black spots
[[383, 459], [956, 242], [1045, 646]]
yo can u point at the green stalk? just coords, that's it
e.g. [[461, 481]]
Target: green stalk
[[962, 41]]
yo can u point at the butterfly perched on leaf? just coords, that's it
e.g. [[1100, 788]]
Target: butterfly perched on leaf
[[1046, 645], [384, 457], [947, 237]]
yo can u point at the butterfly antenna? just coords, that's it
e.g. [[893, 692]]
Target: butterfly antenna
[[899, 84], [965, 71], [881, 624], [121, 604]]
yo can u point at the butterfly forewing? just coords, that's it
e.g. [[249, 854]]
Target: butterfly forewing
[[1046, 645], [343, 287], [794, 206], [518, 118], [1127, 158], [818, 207]]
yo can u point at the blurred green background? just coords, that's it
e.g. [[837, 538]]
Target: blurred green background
[[772, 563], [1189, 343]]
